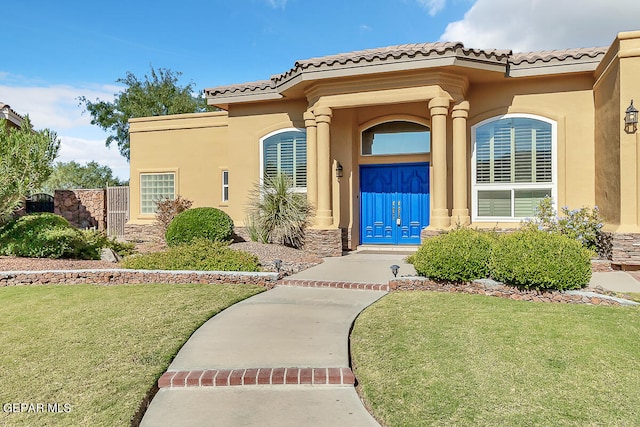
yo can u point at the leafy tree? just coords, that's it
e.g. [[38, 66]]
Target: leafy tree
[[157, 94], [74, 175], [26, 158]]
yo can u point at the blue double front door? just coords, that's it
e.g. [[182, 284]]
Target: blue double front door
[[394, 202]]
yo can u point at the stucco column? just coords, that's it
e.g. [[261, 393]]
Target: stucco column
[[324, 217], [460, 212], [440, 219], [312, 158]]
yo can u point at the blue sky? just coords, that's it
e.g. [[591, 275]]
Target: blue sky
[[56, 51]]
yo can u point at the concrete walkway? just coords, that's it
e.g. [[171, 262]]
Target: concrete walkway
[[366, 267], [615, 281], [280, 358], [359, 268]]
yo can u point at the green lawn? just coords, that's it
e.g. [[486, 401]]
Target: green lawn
[[462, 360], [97, 349], [633, 296]]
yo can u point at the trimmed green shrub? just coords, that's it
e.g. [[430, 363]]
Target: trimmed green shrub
[[535, 259], [460, 255], [205, 223], [46, 235], [200, 254], [43, 235]]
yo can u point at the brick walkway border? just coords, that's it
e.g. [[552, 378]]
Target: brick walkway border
[[257, 376], [333, 284]]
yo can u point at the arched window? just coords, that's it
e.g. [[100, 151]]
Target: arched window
[[396, 137], [285, 151], [514, 166]]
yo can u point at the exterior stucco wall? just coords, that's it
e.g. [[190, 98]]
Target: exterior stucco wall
[[247, 125], [617, 151], [568, 100], [607, 143], [629, 58], [193, 146]]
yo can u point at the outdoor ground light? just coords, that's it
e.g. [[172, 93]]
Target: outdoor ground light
[[394, 269], [631, 119], [339, 170], [278, 264]]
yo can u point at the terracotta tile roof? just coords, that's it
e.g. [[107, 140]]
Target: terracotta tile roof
[[261, 85], [408, 53], [557, 55], [390, 53]]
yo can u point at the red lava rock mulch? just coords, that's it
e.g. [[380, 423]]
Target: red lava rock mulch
[[8, 263]]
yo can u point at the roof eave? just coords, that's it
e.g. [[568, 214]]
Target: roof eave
[[544, 69], [10, 114], [361, 69], [223, 101]]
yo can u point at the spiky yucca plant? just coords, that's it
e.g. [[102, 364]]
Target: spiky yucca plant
[[277, 213]]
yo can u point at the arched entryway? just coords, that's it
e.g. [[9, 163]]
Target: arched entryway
[[394, 197]]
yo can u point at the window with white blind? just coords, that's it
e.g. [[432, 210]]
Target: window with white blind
[[514, 166], [155, 187], [225, 186], [286, 152]]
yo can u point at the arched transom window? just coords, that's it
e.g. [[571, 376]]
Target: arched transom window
[[396, 137], [514, 166]]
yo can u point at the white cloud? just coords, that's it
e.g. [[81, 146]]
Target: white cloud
[[84, 150], [54, 107], [526, 25], [57, 108], [433, 6]]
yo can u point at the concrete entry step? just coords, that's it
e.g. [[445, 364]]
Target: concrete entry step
[[386, 249]]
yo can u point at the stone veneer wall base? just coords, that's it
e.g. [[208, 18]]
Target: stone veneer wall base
[[625, 249], [125, 276], [323, 243], [428, 234], [142, 233]]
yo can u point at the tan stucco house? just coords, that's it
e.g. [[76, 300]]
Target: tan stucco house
[[392, 144]]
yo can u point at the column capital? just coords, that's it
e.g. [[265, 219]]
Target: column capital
[[460, 110], [323, 114], [309, 119], [439, 106]]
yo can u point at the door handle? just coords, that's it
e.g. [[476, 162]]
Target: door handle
[[393, 209]]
